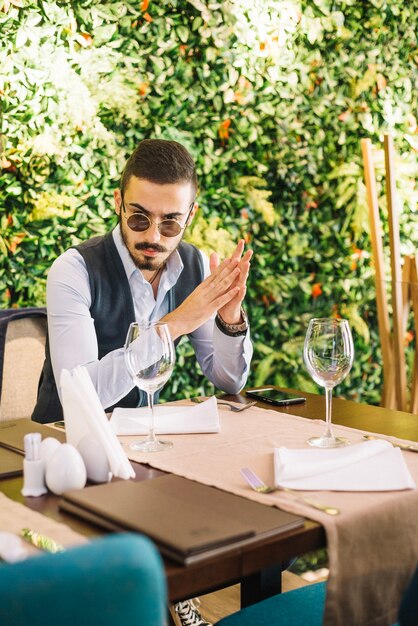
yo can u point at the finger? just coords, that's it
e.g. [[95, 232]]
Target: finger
[[238, 250], [224, 284], [213, 261], [247, 256], [224, 269], [244, 268], [245, 263], [217, 284], [225, 298]]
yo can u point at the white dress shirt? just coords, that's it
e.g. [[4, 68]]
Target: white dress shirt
[[224, 360]]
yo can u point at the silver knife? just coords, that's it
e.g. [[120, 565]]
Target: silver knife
[[403, 446]]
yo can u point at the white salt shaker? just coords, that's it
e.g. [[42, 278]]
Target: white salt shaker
[[33, 466]]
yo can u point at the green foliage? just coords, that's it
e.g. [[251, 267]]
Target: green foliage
[[310, 562], [271, 97]]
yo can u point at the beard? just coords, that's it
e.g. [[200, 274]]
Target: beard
[[146, 264]]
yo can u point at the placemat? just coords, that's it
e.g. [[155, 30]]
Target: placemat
[[15, 516]]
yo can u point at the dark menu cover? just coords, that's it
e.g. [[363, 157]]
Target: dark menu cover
[[188, 521], [12, 433], [11, 463]]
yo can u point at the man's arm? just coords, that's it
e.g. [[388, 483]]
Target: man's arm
[[230, 312], [222, 291], [202, 304], [224, 359], [72, 336]]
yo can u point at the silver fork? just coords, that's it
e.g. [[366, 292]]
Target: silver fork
[[258, 485], [233, 407]]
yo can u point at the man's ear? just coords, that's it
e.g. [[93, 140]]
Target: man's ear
[[117, 197], [193, 213]]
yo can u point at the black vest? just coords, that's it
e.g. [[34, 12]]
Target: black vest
[[112, 310]]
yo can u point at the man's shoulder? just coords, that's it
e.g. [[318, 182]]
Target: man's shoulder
[[99, 251], [73, 257], [193, 256], [72, 262], [190, 254], [94, 242], [69, 263], [189, 251]]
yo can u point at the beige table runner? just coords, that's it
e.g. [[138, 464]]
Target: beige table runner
[[15, 516], [373, 544]]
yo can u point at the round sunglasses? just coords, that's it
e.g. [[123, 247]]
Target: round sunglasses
[[140, 222]]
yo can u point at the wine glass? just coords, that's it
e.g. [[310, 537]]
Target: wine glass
[[328, 354], [149, 358]]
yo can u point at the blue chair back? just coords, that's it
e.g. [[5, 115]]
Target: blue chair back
[[117, 580]]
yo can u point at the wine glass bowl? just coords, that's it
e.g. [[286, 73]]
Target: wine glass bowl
[[149, 358], [328, 354]]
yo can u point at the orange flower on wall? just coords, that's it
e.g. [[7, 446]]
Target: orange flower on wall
[[16, 241], [356, 256], [409, 335], [223, 130], [316, 290], [88, 39], [144, 6], [343, 116]]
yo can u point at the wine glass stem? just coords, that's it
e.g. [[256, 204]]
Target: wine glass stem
[[151, 435], [328, 411]]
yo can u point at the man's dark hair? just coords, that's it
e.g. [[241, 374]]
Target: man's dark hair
[[162, 162]]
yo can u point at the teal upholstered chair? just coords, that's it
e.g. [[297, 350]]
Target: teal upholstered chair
[[305, 607], [301, 607], [113, 581]]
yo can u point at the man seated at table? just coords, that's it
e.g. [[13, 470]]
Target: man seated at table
[[143, 271]]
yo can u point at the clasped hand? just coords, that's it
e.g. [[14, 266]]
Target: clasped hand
[[223, 292]]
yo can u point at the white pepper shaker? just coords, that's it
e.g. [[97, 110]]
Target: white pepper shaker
[[33, 466]]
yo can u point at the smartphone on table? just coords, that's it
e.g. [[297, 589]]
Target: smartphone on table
[[273, 396]]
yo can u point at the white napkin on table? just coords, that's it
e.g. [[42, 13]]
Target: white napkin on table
[[169, 420], [368, 466], [86, 422]]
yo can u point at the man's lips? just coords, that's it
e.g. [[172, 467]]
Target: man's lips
[[150, 249]]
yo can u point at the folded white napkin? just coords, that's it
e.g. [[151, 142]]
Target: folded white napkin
[[169, 420], [87, 426], [368, 466]]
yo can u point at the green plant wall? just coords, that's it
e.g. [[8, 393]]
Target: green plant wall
[[272, 99]]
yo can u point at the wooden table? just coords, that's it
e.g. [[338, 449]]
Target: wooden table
[[255, 566]]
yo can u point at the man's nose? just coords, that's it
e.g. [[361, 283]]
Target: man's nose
[[153, 232]]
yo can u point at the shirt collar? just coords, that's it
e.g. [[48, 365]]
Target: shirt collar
[[174, 265]]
